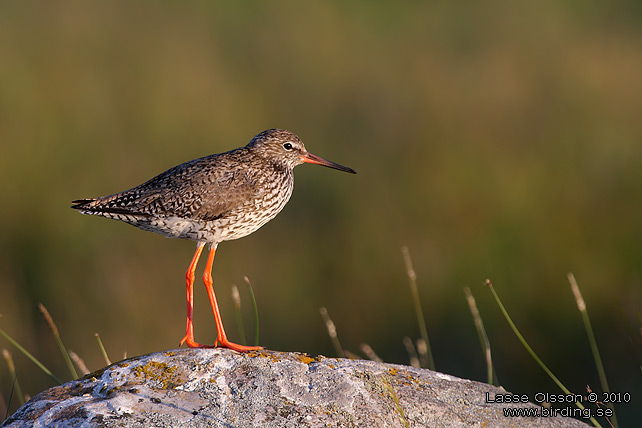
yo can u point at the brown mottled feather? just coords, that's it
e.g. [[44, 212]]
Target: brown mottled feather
[[215, 198]]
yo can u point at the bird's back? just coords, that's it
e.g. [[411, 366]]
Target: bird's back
[[215, 198]]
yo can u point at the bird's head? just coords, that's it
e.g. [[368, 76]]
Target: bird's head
[[285, 148]]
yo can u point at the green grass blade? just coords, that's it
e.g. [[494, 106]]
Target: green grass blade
[[581, 306], [4, 407], [531, 352], [56, 335], [412, 276], [255, 310], [11, 392], [31, 357], [103, 351], [15, 388]]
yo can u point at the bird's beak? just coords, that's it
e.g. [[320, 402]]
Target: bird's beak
[[310, 158]]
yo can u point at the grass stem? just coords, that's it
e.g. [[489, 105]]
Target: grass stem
[[581, 306], [236, 297], [412, 277], [332, 332], [4, 407], [79, 363], [102, 349], [531, 352], [255, 310], [31, 357], [15, 388], [491, 376], [422, 352], [56, 335], [370, 353], [7, 406], [412, 352]]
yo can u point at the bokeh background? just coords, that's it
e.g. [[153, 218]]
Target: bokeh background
[[497, 140]]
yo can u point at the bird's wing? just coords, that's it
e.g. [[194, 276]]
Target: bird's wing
[[231, 191], [202, 189]]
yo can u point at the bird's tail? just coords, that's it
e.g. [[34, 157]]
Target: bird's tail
[[80, 204], [107, 206]]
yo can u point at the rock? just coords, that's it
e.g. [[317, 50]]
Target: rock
[[222, 388]]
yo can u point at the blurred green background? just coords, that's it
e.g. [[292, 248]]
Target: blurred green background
[[497, 140]]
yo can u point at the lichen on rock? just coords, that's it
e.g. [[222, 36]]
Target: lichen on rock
[[222, 388]]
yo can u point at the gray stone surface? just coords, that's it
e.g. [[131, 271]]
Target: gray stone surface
[[221, 388]]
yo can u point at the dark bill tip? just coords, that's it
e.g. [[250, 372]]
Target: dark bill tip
[[310, 158]]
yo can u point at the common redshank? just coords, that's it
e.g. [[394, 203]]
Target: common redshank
[[210, 200]]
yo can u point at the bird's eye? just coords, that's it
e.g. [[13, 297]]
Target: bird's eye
[[287, 146]]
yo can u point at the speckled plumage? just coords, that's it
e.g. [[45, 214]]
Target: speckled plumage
[[215, 198], [210, 200]]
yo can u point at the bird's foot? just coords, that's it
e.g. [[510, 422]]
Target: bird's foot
[[189, 341], [224, 343]]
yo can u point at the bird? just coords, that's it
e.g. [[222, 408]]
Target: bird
[[212, 199]]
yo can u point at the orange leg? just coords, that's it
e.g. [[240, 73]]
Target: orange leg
[[189, 278], [221, 339]]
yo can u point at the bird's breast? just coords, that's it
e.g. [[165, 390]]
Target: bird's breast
[[270, 196], [268, 201]]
